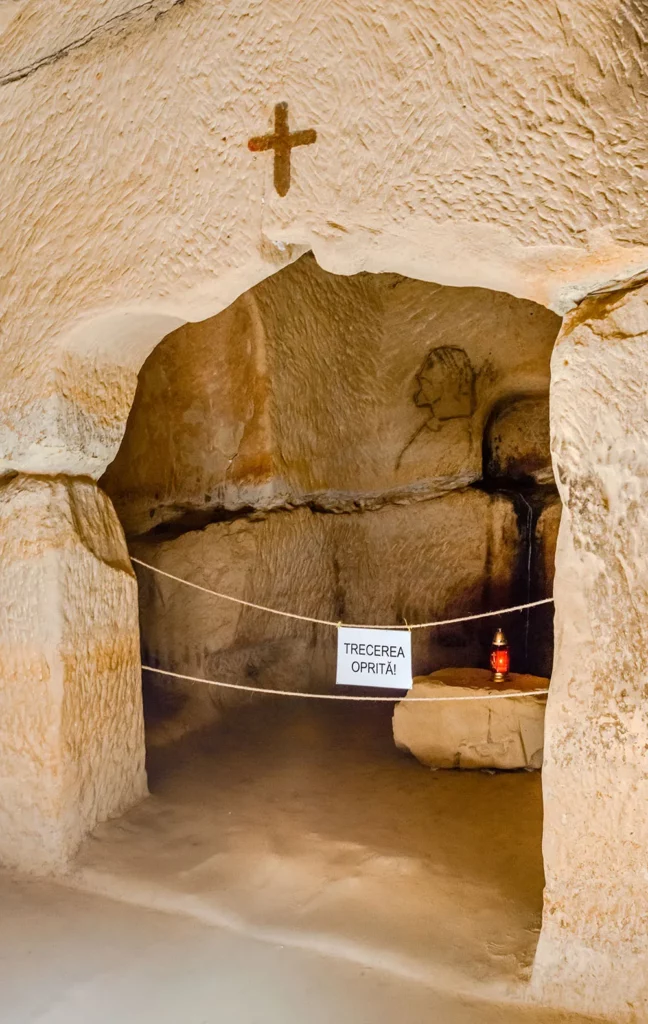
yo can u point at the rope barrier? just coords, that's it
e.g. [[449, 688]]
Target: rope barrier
[[329, 622], [339, 696]]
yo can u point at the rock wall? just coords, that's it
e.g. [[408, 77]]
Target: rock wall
[[516, 441], [593, 950], [400, 563], [499, 145], [71, 729], [385, 401], [486, 144], [342, 392]]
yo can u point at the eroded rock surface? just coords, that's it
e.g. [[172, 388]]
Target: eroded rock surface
[[366, 396], [517, 440], [593, 948], [409, 563], [465, 733], [71, 727], [343, 392], [465, 157]]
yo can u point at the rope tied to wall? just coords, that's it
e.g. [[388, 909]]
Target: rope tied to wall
[[327, 622]]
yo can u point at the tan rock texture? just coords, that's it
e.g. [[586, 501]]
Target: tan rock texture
[[342, 391], [487, 145], [517, 440], [393, 565], [8, 11], [593, 949], [71, 728], [541, 631], [484, 145], [470, 733]]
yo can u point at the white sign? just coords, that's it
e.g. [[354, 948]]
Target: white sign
[[374, 657]]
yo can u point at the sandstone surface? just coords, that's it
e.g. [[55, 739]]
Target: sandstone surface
[[409, 563], [593, 949], [497, 146], [465, 158], [71, 726], [465, 733], [341, 391], [517, 440]]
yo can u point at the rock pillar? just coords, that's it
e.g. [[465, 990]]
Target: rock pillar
[[71, 727], [593, 949]]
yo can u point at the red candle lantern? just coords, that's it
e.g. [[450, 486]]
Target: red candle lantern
[[500, 658]]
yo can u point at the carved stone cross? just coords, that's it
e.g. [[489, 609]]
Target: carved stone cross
[[282, 141]]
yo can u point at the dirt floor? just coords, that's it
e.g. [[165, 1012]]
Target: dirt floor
[[307, 871]]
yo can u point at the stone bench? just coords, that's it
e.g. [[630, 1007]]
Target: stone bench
[[472, 734]]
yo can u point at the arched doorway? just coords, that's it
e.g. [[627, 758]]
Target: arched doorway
[[366, 449]]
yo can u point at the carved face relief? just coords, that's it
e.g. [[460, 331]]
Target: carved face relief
[[446, 385]]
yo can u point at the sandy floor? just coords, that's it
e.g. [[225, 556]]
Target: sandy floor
[[308, 872]]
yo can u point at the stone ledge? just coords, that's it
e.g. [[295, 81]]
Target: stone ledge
[[505, 734]]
